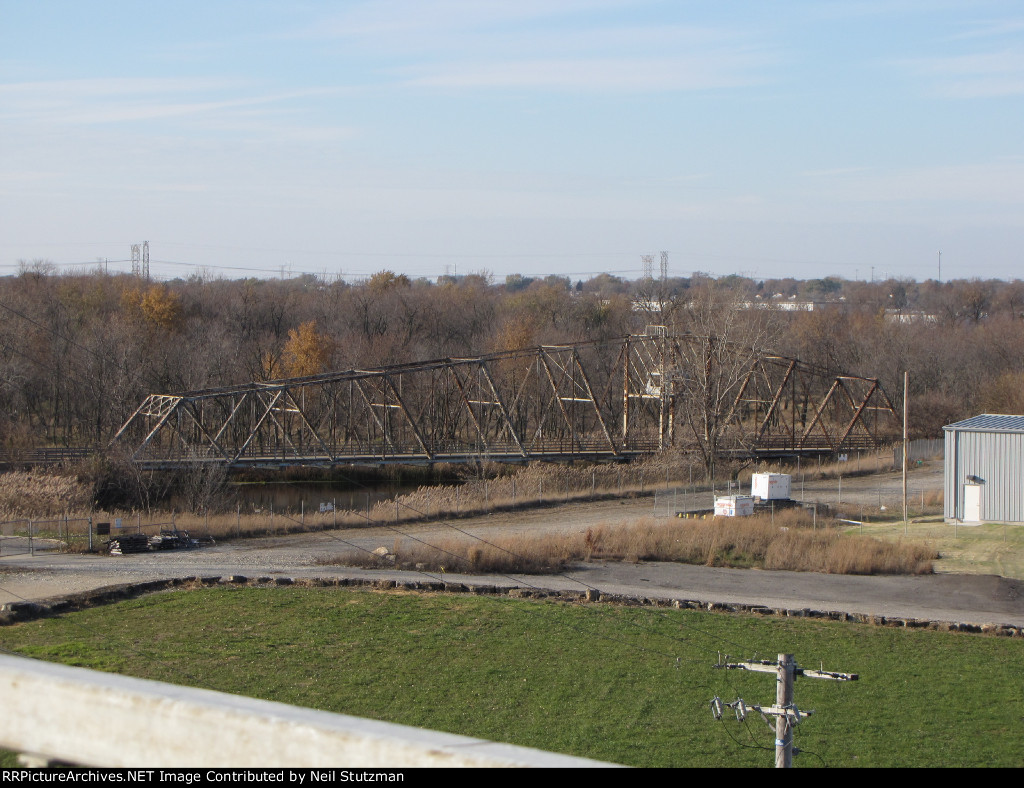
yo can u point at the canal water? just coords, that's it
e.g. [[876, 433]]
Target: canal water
[[296, 497]]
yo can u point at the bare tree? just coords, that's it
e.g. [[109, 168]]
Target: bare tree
[[203, 485], [724, 339]]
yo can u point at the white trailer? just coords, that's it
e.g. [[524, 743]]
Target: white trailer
[[734, 506]]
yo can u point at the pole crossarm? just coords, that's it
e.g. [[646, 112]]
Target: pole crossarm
[[741, 707], [785, 711], [611, 399]]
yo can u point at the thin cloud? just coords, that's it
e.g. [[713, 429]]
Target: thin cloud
[[562, 46], [994, 29], [596, 74], [833, 172], [123, 86], [982, 183], [978, 75], [425, 19], [98, 101]]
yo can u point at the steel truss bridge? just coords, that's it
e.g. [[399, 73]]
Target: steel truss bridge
[[594, 400]]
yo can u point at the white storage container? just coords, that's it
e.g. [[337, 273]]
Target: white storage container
[[770, 486]]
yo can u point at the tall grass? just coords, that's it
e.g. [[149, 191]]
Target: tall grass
[[40, 494], [788, 543]]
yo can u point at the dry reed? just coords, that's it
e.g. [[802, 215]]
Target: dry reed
[[28, 494], [732, 542]]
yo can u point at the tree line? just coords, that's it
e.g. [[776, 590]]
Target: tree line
[[78, 352]]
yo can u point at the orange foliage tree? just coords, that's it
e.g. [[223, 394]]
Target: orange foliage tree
[[158, 306], [307, 352]]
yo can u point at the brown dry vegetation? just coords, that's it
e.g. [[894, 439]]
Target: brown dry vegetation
[[789, 543], [43, 494], [24, 494]]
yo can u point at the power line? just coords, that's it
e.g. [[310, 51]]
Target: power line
[[50, 330]]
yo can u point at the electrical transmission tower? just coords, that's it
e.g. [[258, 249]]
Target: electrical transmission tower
[[787, 715], [140, 260], [664, 267], [648, 262]]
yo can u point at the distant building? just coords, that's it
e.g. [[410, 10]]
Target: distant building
[[787, 305], [910, 316], [984, 472]]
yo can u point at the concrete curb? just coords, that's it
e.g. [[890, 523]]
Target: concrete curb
[[17, 612]]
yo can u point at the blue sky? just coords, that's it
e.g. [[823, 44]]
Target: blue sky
[[850, 138]]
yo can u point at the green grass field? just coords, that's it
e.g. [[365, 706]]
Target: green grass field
[[627, 685], [988, 549]]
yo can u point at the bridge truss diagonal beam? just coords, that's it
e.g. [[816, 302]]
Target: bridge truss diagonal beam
[[615, 399]]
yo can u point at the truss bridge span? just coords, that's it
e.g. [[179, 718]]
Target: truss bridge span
[[618, 399]]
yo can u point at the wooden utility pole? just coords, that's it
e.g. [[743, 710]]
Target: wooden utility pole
[[784, 700], [787, 715], [906, 388]]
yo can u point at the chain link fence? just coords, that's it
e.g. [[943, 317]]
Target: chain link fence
[[29, 536]]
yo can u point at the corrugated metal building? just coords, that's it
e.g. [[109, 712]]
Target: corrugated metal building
[[985, 469]]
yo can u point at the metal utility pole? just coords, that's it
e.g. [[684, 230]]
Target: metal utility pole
[[787, 715]]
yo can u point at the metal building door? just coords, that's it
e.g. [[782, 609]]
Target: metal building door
[[972, 503]]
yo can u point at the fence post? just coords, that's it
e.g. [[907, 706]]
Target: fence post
[[334, 503], [90, 533], [31, 544], [238, 519]]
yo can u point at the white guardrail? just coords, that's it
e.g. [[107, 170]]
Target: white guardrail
[[91, 718]]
